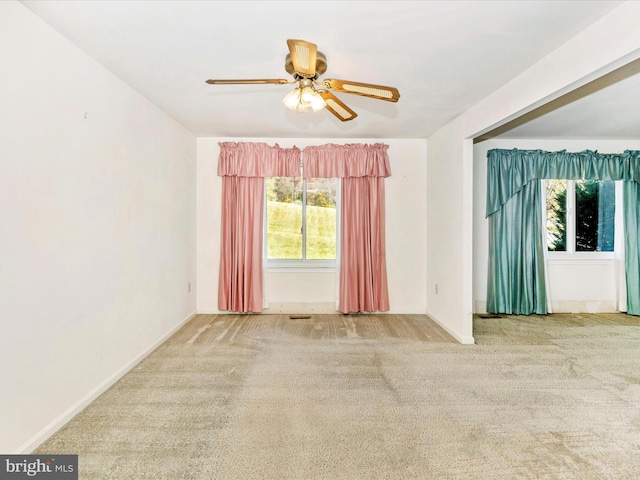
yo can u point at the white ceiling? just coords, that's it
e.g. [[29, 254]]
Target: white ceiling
[[609, 108], [443, 56]]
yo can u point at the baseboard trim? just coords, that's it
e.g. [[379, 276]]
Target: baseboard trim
[[63, 419], [464, 340], [584, 306]]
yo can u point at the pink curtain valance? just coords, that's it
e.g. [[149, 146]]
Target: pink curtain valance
[[343, 161], [245, 159]]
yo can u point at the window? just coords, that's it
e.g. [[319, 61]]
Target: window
[[301, 221], [580, 215]]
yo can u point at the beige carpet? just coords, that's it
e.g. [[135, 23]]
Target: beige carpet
[[371, 397]]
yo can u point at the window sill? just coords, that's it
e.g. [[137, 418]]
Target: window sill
[[582, 258], [301, 267]]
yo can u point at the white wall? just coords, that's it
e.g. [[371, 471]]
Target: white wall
[[446, 236], [315, 292], [596, 51], [571, 282], [97, 229]]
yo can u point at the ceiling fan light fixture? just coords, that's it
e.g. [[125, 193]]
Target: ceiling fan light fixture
[[318, 103], [310, 99], [303, 98], [292, 99]]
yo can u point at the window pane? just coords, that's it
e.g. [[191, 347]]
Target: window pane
[[284, 217], [557, 215], [595, 211], [321, 218]]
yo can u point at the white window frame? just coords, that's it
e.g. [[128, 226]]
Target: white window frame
[[570, 254], [287, 264]]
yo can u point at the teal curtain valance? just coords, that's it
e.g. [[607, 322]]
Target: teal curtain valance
[[510, 170]]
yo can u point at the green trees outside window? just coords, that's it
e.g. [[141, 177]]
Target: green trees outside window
[[580, 215]]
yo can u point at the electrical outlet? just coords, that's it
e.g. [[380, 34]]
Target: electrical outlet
[[436, 288], [189, 287]]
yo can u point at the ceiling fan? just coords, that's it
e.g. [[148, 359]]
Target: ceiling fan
[[305, 63]]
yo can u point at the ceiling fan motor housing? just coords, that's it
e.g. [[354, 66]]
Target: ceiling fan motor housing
[[321, 65]]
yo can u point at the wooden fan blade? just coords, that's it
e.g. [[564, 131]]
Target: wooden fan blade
[[259, 81], [337, 107], [303, 57], [380, 92]]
